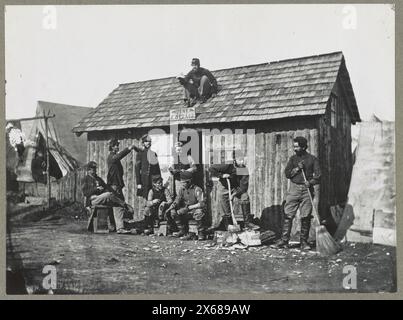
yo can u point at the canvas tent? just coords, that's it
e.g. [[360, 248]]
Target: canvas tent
[[370, 214], [67, 151]]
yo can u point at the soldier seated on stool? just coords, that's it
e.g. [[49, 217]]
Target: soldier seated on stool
[[158, 205], [238, 175], [98, 193], [189, 204]]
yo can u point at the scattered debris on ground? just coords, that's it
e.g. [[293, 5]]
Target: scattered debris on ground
[[111, 263]]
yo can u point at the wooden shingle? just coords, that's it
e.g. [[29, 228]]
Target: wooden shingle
[[281, 89]]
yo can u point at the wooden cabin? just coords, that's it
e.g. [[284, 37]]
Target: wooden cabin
[[258, 110]]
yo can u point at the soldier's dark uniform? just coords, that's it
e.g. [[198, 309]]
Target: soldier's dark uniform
[[180, 163], [297, 196], [199, 83], [158, 211], [239, 181], [146, 166], [114, 177], [190, 195], [106, 196]]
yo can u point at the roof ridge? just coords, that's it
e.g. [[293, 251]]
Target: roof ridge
[[311, 56], [240, 67]]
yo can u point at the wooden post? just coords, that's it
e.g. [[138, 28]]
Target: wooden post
[[47, 160]]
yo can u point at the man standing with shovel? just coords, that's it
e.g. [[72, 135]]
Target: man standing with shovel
[[304, 172]]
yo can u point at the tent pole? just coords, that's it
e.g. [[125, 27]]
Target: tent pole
[[47, 160]]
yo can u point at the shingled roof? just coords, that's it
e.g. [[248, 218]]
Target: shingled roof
[[287, 88]]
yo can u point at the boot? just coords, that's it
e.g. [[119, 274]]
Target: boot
[[171, 226], [285, 236], [181, 229], [226, 221], [188, 236], [247, 217], [305, 226], [201, 231], [149, 225]]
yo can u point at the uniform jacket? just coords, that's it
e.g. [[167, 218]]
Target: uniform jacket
[[239, 177], [196, 76], [190, 196], [115, 168], [162, 195], [89, 187], [311, 169], [146, 166], [177, 165]]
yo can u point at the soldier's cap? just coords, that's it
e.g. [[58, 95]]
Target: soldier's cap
[[156, 178], [145, 138], [195, 62], [91, 165], [113, 142], [185, 175]]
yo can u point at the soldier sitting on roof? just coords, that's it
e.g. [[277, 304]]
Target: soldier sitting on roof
[[199, 83]]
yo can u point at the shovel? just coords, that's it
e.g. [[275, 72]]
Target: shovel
[[235, 226]]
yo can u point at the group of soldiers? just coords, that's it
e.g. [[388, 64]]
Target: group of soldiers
[[183, 200], [177, 203]]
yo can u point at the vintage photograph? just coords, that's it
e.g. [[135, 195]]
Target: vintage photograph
[[200, 149]]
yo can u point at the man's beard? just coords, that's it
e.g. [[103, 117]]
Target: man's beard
[[299, 153]]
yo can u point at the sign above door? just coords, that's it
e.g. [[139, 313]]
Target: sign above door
[[182, 114]]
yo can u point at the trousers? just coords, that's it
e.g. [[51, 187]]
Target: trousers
[[204, 90], [298, 197], [117, 204]]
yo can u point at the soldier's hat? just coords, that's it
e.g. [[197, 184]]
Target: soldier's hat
[[156, 178], [185, 175], [113, 142], [195, 62], [91, 165], [145, 138]]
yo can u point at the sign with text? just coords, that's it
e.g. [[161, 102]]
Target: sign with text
[[182, 114]]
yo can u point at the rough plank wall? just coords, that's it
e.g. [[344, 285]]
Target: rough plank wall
[[336, 154], [98, 151], [266, 155]]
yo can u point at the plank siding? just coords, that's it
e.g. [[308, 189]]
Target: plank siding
[[266, 156], [267, 146]]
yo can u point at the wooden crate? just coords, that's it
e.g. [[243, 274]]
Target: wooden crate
[[101, 217]]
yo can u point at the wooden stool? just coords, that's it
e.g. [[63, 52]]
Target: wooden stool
[[193, 227], [98, 220]]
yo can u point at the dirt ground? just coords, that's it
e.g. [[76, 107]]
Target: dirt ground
[[89, 263]]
